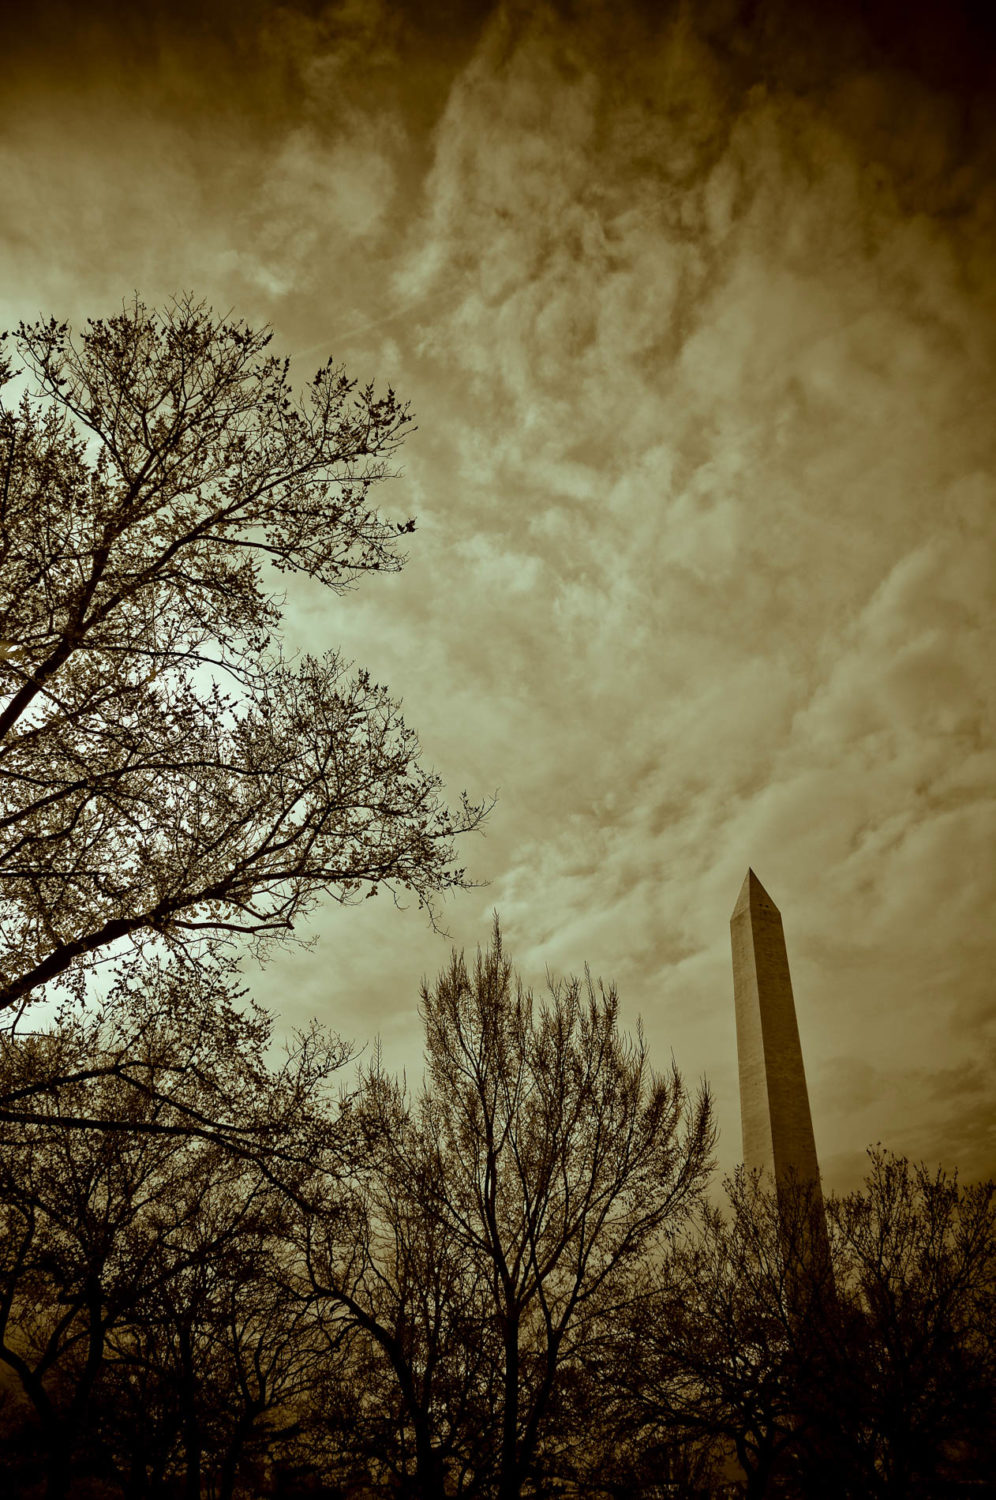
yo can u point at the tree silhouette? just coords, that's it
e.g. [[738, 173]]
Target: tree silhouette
[[541, 1160], [916, 1258], [144, 1249], [424, 1354], [208, 1368], [165, 773], [884, 1388], [176, 1050]]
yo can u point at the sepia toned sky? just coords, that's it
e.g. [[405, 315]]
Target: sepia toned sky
[[696, 308]]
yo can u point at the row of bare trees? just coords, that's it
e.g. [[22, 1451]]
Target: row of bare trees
[[510, 1284], [426, 1268]]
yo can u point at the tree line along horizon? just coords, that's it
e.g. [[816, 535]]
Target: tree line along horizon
[[222, 1275]]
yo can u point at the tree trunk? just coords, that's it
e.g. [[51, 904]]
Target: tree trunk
[[233, 1455], [190, 1428], [192, 1460], [757, 1481], [137, 1486], [58, 1465], [509, 1479], [428, 1475], [756, 1466]]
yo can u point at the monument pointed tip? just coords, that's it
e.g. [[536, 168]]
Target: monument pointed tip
[[753, 897]]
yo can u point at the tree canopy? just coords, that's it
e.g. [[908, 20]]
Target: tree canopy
[[502, 1219], [166, 772]]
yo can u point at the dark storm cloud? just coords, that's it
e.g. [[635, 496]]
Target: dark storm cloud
[[246, 56]]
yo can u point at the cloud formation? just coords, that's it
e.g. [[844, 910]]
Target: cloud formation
[[701, 343]]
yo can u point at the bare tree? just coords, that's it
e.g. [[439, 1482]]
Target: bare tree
[[423, 1352], [214, 1360], [164, 772], [96, 1223], [715, 1350], [545, 1156], [83, 1215], [177, 1050], [916, 1257], [886, 1387]]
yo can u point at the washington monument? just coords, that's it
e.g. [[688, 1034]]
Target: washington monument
[[774, 1102]]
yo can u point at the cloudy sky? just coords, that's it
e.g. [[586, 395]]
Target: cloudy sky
[[696, 308]]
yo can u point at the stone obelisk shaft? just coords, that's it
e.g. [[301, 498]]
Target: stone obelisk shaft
[[774, 1102]]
